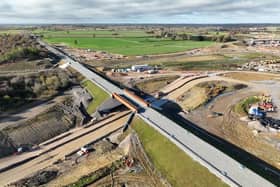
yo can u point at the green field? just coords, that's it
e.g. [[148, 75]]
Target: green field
[[178, 168], [126, 42], [130, 46], [90, 32], [99, 95], [243, 106]]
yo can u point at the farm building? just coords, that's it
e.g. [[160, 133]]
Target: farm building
[[140, 68]]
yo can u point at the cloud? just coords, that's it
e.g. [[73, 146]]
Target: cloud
[[145, 11]]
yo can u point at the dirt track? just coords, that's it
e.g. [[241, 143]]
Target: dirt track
[[180, 82], [53, 154], [178, 92]]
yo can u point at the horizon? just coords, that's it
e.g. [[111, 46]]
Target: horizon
[[131, 24], [139, 12]]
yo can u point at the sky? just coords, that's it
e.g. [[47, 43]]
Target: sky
[[139, 11]]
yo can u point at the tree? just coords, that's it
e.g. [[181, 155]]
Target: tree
[[53, 83], [200, 38], [64, 79], [227, 38], [214, 38], [93, 35], [28, 81], [16, 80], [220, 38], [76, 42]]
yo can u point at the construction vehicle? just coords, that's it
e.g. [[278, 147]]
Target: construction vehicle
[[266, 103], [267, 107], [83, 151], [255, 113]]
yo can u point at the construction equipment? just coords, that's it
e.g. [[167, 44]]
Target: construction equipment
[[266, 103], [271, 122], [255, 112], [267, 107]]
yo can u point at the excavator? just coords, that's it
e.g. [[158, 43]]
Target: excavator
[[266, 103]]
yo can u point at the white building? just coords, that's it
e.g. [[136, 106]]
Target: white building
[[140, 68]]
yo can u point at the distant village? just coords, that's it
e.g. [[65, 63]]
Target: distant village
[[263, 66], [264, 42]]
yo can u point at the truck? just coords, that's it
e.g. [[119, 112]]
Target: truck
[[255, 112]]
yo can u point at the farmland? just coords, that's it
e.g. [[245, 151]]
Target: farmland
[[122, 42]]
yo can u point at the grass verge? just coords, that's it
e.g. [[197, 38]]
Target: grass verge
[[178, 168], [99, 95], [243, 106]]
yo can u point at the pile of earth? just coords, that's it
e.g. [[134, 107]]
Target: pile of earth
[[203, 93]]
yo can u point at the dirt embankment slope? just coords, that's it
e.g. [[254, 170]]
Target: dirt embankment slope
[[177, 93], [34, 131]]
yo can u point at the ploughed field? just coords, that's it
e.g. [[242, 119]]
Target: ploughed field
[[121, 42]]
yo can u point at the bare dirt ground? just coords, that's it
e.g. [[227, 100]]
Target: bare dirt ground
[[184, 79], [234, 130], [140, 173], [92, 163], [264, 145], [153, 85], [56, 141], [22, 115], [58, 152], [178, 92], [266, 83], [252, 76]]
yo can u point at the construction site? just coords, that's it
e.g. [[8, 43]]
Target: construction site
[[84, 118], [101, 142], [241, 107]]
